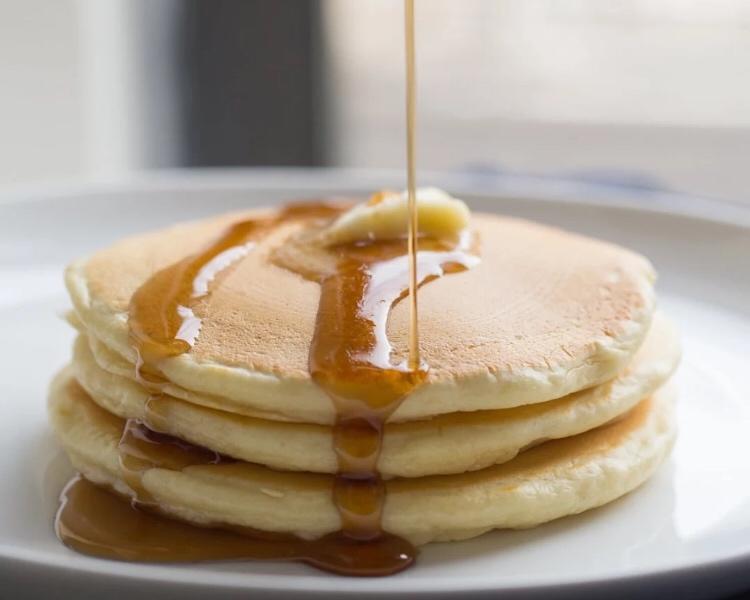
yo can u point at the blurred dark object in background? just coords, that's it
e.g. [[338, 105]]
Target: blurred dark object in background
[[250, 82]]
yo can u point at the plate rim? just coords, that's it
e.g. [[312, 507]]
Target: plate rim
[[538, 188]]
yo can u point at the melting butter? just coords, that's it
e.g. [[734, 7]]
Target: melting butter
[[385, 216]]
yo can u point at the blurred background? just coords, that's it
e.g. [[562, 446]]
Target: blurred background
[[650, 92]]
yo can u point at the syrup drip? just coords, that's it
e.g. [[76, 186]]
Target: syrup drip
[[97, 521], [102, 523], [142, 448], [350, 358]]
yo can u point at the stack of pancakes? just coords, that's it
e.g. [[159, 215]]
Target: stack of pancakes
[[545, 394]]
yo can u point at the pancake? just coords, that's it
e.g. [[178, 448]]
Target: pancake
[[552, 480], [545, 314], [446, 444]]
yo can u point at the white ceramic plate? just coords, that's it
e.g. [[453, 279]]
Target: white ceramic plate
[[686, 531]]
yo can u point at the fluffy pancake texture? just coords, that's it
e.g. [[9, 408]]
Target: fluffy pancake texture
[[445, 444], [555, 479], [545, 314]]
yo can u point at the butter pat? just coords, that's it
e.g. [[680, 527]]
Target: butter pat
[[386, 214]]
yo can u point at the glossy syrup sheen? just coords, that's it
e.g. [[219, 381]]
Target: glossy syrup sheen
[[161, 321]]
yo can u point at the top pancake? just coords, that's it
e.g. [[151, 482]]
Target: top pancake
[[544, 314]]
